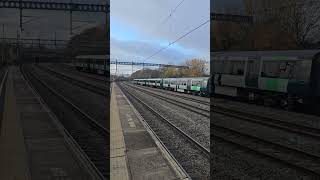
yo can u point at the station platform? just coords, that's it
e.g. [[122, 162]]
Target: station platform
[[33, 144], [136, 153]]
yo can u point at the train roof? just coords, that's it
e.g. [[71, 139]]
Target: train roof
[[102, 57], [186, 78], [301, 54]]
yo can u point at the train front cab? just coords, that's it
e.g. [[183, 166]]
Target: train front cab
[[304, 93], [199, 86], [205, 88], [315, 83], [315, 74], [210, 86]]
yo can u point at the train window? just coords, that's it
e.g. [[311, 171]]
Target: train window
[[283, 66], [270, 69], [302, 70], [278, 69], [229, 67], [236, 67], [218, 66], [195, 83]]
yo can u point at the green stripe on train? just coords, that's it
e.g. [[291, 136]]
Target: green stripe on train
[[280, 58], [195, 88], [275, 84]]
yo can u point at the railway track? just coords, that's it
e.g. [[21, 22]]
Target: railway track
[[290, 157], [99, 79], [267, 121], [81, 83], [3, 77], [195, 109], [85, 130], [276, 151], [205, 153], [258, 119], [182, 96]]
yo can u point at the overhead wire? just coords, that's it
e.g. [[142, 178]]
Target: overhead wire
[[172, 12], [178, 39], [165, 20]]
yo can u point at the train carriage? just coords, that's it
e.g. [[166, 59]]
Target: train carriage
[[168, 84], [197, 86], [154, 82], [97, 64], [182, 84], [158, 83], [274, 77]]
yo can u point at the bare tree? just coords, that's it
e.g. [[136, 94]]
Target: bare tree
[[301, 18]]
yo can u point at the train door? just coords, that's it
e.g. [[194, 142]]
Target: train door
[[188, 85], [252, 73], [315, 74]]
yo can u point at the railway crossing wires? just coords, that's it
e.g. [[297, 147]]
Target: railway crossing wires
[[178, 39], [37, 5], [165, 20]]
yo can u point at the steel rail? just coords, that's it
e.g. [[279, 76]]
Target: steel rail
[[184, 97], [268, 121], [2, 93], [177, 103], [104, 132], [189, 138], [75, 107], [80, 73], [285, 159], [82, 84]]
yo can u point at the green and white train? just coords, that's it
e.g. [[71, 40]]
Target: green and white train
[[196, 86], [273, 77], [97, 64]]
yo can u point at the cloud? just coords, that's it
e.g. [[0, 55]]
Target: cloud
[[144, 17], [138, 50]]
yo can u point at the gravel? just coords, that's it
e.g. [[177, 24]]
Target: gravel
[[192, 159], [195, 125], [93, 104], [90, 140], [289, 139], [231, 162]]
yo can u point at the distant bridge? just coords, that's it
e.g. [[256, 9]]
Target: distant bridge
[[70, 7], [231, 18], [127, 63], [54, 6], [146, 64]]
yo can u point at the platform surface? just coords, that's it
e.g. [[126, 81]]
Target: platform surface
[[31, 145], [143, 157]]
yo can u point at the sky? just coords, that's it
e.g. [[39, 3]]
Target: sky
[[139, 28]]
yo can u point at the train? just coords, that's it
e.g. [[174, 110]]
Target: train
[[97, 64], [196, 86], [285, 78]]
